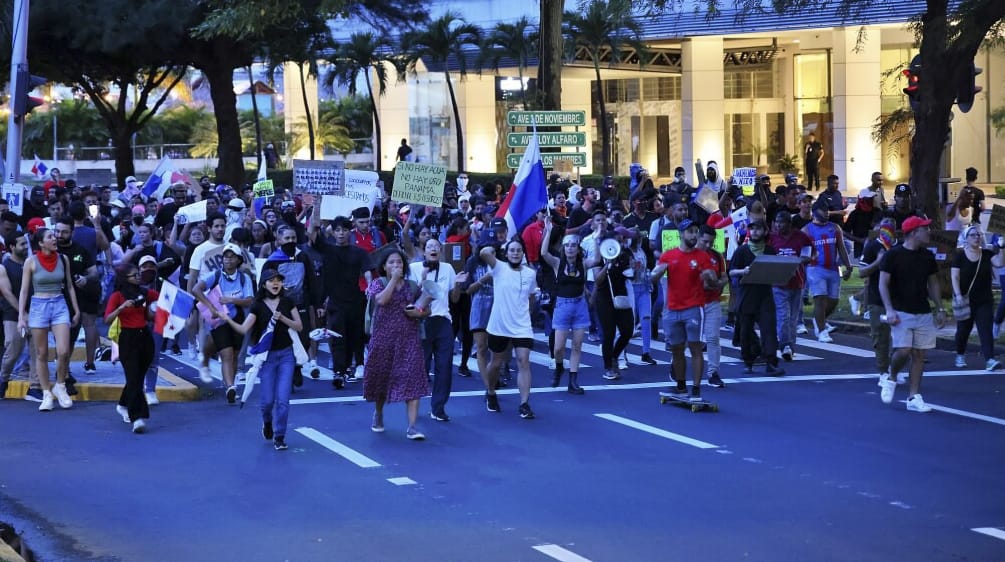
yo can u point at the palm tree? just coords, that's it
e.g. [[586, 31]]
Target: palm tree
[[443, 39], [363, 52], [604, 24], [517, 41]]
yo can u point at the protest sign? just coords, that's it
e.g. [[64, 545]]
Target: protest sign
[[13, 193], [996, 223], [264, 189], [419, 183], [746, 179], [454, 254], [334, 206], [196, 212], [94, 176], [771, 270], [671, 239], [319, 176]]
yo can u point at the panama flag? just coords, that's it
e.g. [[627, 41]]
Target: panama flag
[[161, 179], [39, 169], [529, 193], [173, 308]]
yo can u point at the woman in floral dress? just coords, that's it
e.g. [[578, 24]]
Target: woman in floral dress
[[395, 370]]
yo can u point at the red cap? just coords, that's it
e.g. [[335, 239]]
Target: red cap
[[34, 224], [914, 222]]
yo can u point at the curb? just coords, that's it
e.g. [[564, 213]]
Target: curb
[[180, 391], [943, 343]]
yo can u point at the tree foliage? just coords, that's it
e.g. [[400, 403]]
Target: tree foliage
[[518, 41]]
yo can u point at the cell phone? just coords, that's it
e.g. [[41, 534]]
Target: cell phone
[[93, 209]]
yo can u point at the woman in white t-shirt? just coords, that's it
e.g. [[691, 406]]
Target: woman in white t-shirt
[[514, 284]]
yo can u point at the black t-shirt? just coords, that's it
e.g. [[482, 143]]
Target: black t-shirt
[[981, 291], [798, 222], [165, 252], [750, 295], [80, 261], [813, 153], [342, 269], [869, 255], [909, 271], [579, 217], [14, 272], [263, 314]]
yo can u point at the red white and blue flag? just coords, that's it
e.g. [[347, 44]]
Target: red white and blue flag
[[39, 169], [173, 308], [529, 193], [161, 179]]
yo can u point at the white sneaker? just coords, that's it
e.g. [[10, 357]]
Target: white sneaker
[[824, 337], [193, 351], [801, 329], [829, 327], [139, 426], [887, 387], [122, 411], [882, 377], [59, 391], [856, 306], [961, 361], [552, 365], [151, 398], [46, 405], [992, 364], [901, 378], [623, 363], [204, 374], [917, 404]]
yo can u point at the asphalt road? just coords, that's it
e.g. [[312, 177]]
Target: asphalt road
[[811, 466]]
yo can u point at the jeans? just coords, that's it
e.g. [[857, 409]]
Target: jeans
[[136, 352], [710, 331], [439, 348], [150, 381], [788, 304], [276, 376], [981, 316], [644, 313], [880, 332]]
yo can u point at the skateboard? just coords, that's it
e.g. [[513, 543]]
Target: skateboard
[[684, 400]]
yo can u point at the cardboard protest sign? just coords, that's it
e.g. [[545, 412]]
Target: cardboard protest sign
[[996, 223], [264, 189], [942, 243], [771, 270], [746, 179], [196, 212], [419, 183], [319, 176], [454, 253]]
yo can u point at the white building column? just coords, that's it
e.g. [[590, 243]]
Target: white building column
[[293, 104], [856, 76], [702, 105]]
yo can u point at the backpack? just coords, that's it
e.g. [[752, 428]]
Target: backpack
[[374, 232], [218, 273]]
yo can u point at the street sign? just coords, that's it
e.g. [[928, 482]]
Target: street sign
[[517, 140], [578, 159], [546, 118]]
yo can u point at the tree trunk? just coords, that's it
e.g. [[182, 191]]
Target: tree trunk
[[605, 134], [307, 109], [927, 147], [122, 138], [258, 123], [549, 72], [230, 169], [457, 121], [376, 119]]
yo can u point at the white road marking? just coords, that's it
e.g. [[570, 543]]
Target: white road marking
[[832, 347], [657, 431], [991, 532], [559, 553], [964, 413], [334, 446], [402, 481]]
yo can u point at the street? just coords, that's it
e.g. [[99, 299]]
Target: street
[[811, 466]]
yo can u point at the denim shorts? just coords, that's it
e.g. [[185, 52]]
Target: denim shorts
[[481, 307], [570, 314], [823, 282], [46, 312]]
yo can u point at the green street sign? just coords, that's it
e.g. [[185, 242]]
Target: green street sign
[[546, 118], [548, 159], [518, 140]]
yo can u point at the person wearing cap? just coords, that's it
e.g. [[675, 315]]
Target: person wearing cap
[[236, 291], [903, 204], [34, 206], [235, 212], [868, 269], [271, 307], [862, 220], [908, 284], [805, 214], [822, 275], [689, 272], [971, 275], [144, 245], [713, 306], [149, 280], [755, 304], [792, 242], [130, 304]]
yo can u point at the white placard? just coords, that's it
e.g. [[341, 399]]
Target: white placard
[[196, 212], [360, 191]]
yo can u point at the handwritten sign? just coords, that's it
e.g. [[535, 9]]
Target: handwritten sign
[[746, 178], [419, 183], [671, 240], [319, 176], [196, 212], [996, 223], [264, 188], [14, 194]]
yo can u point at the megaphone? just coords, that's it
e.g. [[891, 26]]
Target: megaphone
[[610, 249]]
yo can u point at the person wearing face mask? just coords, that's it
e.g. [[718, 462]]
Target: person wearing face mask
[[755, 303], [235, 213], [300, 283], [438, 344], [713, 179], [509, 327], [165, 258], [462, 183], [679, 184], [150, 281]]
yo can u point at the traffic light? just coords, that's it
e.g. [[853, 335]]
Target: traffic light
[[968, 88], [913, 89], [21, 103]]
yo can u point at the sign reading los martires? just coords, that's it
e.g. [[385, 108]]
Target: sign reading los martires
[[546, 119], [548, 159]]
